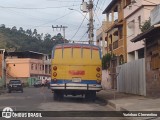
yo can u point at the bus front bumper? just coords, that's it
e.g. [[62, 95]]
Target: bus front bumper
[[72, 86]]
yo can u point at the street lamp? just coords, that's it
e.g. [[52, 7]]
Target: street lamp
[[79, 12]]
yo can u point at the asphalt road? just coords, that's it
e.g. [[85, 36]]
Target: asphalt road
[[41, 99]]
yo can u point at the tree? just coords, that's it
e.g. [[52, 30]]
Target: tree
[[2, 26], [14, 28], [35, 32], [146, 25], [21, 30], [21, 40], [38, 37], [59, 39], [106, 61], [29, 32], [47, 37]]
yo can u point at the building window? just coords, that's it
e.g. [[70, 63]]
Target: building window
[[131, 28], [32, 66], [40, 67], [110, 47], [120, 33], [36, 66], [115, 44], [139, 21]]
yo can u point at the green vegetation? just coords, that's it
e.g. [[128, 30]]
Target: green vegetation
[[13, 39], [106, 61], [146, 25]]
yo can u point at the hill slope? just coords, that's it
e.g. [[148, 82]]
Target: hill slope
[[16, 40]]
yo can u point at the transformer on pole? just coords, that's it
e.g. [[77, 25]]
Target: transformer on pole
[[85, 7]]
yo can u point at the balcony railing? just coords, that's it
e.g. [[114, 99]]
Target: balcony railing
[[120, 42], [110, 47], [115, 44]]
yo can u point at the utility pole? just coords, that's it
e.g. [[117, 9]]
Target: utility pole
[[61, 27], [89, 8], [91, 26]]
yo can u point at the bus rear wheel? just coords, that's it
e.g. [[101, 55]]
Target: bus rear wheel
[[90, 96], [58, 95]]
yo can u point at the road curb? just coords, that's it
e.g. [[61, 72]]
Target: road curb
[[112, 104], [108, 102], [2, 92]]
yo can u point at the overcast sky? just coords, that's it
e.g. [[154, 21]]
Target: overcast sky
[[42, 14]]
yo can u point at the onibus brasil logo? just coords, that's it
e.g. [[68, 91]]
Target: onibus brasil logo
[[8, 112]]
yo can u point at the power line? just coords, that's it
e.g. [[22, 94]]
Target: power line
[[37, 8], [61, 27], [96, 5], [54, 19], [25, 14], [79, 27], [100, 7], [62, 1], [83, 35]]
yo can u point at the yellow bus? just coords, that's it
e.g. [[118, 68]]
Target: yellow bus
[[76, 70]]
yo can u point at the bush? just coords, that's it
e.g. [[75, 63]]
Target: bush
[[146, 25], [106, 61]]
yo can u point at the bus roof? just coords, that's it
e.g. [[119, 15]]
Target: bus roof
[[75, 45]]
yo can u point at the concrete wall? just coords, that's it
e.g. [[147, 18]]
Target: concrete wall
[[153, 75], [18, 67], [24, 67], [106, 80]]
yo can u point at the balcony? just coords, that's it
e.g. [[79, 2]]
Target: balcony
[[115, 44], [110, 47], [120, 42], [119, 51]]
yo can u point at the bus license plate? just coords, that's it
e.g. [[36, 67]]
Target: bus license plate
[[76, 79]]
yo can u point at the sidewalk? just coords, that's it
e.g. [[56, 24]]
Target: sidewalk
[[129, 102], [2, 91]]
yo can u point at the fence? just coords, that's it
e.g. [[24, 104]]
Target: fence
[[131, 77]]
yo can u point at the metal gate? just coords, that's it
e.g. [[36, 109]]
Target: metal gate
[[131, 77]]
